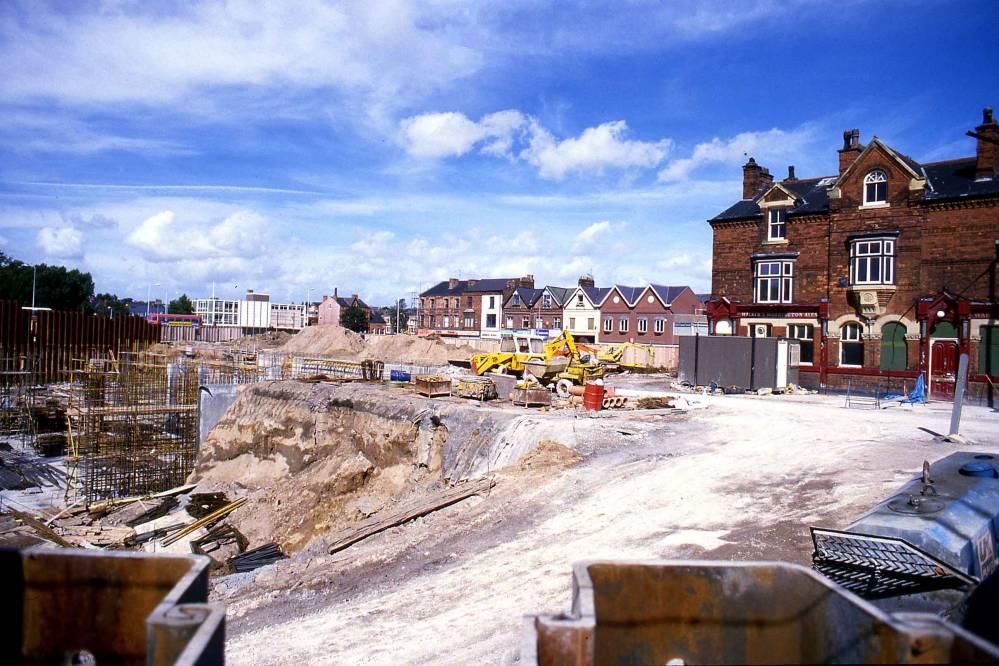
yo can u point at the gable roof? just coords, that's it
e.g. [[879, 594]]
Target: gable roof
[[376, 318], [668, 294], [629, 294], [951, 179], [596, 295], [527, 296], [347, 302], [560, 294], [904, 161]]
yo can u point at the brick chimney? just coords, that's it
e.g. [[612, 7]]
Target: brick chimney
[[851, 149], [452, 283], [587, 281], [526, 281], [987, 163], [790, 173], [472, 283], [754, 178]]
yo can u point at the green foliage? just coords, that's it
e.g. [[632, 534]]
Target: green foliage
[[354, 318], [56, 287], [181, 305], [403, 316], [106, 304]]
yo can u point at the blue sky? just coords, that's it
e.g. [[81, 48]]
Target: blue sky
[[379, 147]]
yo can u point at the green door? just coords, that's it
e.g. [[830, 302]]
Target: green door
[[893, 350]]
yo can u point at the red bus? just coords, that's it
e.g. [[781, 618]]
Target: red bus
[[193, 321]]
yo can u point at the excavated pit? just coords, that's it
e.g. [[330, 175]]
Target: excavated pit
[[313, 458]]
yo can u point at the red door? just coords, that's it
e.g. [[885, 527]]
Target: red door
[[943, 371]]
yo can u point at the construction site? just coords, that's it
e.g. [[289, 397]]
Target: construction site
[[325, 497]]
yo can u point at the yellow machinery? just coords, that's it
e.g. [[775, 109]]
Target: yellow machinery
[[554, 360]]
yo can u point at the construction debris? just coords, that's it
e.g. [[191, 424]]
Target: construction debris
[[206, 520], [474, 388], [256, 558], [432, 386]]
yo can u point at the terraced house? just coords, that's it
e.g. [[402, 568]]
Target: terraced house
[[884, 270], [650, 314], [536, 311], [467, 308]]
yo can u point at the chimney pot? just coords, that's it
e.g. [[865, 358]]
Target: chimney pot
[[790, 172], [987, 154], [851, 149], [753, 178]]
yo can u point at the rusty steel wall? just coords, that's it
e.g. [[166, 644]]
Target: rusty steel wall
[[47, 342]]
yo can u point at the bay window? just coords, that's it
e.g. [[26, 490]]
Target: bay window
[[773, 281], [872, 261]]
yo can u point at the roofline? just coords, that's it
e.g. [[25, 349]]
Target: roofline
[[894, 154]]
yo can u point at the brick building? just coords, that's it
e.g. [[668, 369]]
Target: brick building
[[535, 310], [467, 307], [331, 307], [647, 315], [581, 311], [884, 270]]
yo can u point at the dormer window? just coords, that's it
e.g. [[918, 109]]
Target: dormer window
[[516, 300], [777, 224], [876, 188], [546, 301]]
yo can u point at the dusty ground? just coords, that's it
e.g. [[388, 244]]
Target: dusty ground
[[741, 480]]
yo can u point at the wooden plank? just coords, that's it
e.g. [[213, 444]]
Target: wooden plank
[[408, 511]]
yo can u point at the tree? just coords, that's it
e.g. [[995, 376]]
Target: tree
[[108, 304], [181, 305], [354, 318], [55, 286]]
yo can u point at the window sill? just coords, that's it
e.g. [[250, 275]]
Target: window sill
[[775, 241], [872, 287], [871, 206], [844, 365]]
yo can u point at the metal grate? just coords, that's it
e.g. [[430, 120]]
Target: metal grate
[[875, 567]]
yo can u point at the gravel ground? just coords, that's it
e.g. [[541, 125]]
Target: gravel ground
[[741, 480]]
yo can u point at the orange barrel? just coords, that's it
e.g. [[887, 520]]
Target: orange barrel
[[593, 397]]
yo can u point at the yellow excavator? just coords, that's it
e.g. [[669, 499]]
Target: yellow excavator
[[554, 360]]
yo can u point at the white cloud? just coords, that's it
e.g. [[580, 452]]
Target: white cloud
[[594, 150], [451, 134], [384, 52], [241, 235], [766, 147], [589, 237], [61, 242]]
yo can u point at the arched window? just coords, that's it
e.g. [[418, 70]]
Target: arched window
[[851, 345], [876, 187], [893, 349]]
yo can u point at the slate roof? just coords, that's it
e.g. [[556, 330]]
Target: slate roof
[[953, 179], [376, 318], [528, 296], [560, 294], [442, 289], [596, 294], [667, 293], [630, 294], [347, 302], [489, 284]]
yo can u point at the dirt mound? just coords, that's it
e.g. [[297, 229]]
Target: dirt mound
[[325, 340], [338, 341]]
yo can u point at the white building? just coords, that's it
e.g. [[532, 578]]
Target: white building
[[253, 314]]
